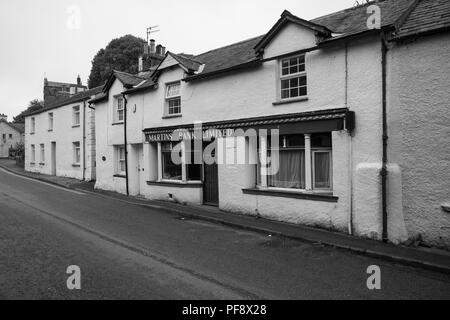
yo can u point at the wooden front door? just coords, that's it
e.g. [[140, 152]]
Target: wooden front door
[[211, 185]]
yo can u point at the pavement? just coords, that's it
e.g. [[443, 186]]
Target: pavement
[[200, 251]]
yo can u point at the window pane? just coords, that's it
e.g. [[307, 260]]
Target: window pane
[[284, 94], [321, 140], [291, 169], [303, 91], [294, 83], [302, 81], [295, 140], [322, 170], [294, 92], [284, 84], [171, 171], [173, 90]]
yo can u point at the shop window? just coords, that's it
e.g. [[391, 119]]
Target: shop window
[[193, 169], [288, 162], [170, 170]]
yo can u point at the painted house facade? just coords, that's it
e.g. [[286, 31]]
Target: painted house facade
[[10, 135], [419, 118], [295, 120], [60, 138]]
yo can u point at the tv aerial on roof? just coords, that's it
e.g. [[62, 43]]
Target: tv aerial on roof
[[151, 30]]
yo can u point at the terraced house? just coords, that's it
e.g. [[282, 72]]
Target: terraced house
[[334, 89], [60, 138]]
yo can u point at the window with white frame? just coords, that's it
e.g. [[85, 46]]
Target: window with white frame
[[121, 162], [42, 153], [76, 153], [33, 125], [120, 109], [33, 153], [296, 153], [76, 115], [321, 161], [293, 78], [50, 121], [173, 98]]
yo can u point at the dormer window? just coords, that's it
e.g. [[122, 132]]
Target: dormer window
[[293, 78], [173, 99]]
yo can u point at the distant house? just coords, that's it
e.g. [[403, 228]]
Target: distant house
[[10, 135], [60, 138], [55, 92]]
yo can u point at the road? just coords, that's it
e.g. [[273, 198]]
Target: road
[[126, 251]]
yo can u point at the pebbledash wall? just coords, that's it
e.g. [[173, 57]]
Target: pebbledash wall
[[339, 76], [419, 133], [60, 161]]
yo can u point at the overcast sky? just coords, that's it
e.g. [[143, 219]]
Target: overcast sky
[[40, 37]]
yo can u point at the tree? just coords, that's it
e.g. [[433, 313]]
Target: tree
[[34, 105], [120, 54]]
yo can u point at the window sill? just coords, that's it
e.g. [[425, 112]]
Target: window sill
[[170, 116], [287, 101], [117, 123], [31, 133], [120, 176], [76, 165], [76, 126], [167, 183], [292, 194], [50, 130], [42, 163]]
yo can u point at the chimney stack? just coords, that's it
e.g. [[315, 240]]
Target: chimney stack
[[152, 46], [79, 81], [3, 117], [141, 64]]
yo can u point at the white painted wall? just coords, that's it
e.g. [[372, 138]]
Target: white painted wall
[[64, 134], [251, 93], [419, 133], [108, 135], [6, 143]]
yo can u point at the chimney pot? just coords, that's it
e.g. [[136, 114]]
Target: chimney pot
[[152, 46], [141, 64], [79, 81]]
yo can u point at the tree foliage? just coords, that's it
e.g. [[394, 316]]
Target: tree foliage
[[32, 106], [120, 54]]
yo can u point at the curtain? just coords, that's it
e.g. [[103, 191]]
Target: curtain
[[322, 169], [288, 169]]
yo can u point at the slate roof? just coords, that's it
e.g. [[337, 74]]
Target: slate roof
[[410, 16], [354, 20], [426, 17], [128, 79], [75, 98]]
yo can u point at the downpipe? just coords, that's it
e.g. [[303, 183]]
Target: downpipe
[[384, 171], [125, 141]]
